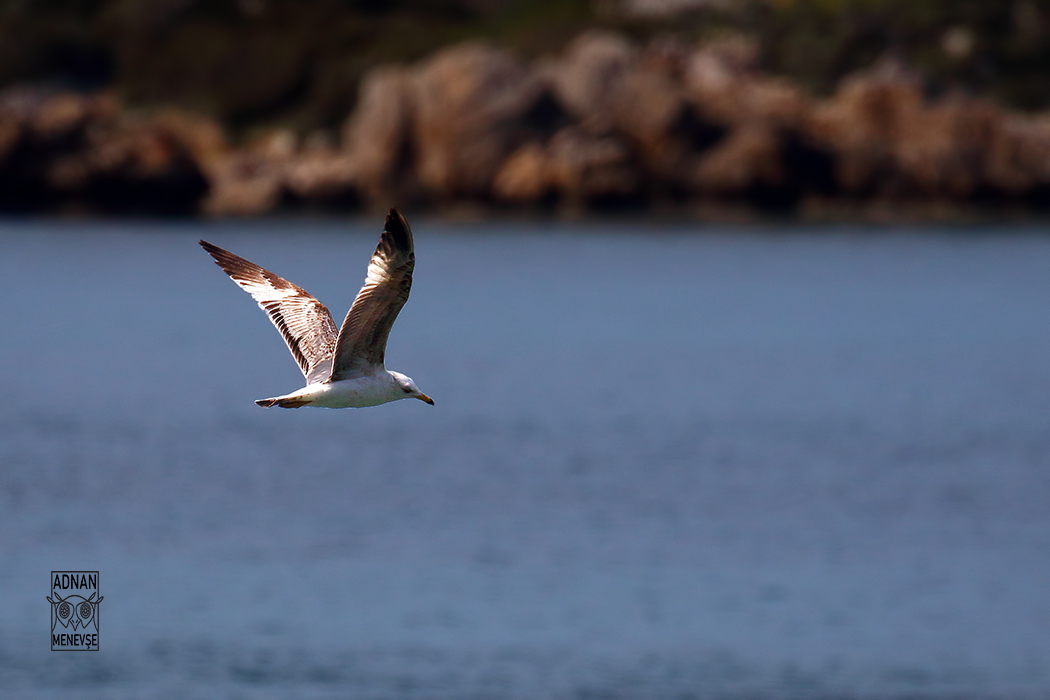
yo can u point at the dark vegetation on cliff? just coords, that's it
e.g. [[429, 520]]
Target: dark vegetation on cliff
[[298, 62]]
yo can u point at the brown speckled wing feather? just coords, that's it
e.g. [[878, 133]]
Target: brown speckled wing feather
[[305, 323]]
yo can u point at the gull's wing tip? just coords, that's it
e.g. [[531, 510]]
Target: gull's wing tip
[[229, 262], [212, 249], [397, 226]]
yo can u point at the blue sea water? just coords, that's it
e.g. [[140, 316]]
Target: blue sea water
[[666, 462]]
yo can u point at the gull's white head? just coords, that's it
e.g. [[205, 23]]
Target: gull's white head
[[409, 388]]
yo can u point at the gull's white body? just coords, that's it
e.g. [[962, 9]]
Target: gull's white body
[[370, 390]]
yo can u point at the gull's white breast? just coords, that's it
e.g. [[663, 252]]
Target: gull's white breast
[[369, 390]]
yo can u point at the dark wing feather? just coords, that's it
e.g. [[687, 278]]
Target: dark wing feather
[[305, 323], [362, 339]]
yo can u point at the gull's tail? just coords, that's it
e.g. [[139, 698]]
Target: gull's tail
[[283, 402]]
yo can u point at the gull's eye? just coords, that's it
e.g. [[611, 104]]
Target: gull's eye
[[407, 389]]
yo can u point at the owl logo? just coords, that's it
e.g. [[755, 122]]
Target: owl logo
[[74, 611], [74, 603]]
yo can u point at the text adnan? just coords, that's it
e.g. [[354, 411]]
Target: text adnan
[[66, 581]]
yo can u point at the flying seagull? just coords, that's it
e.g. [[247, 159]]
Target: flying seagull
[[344, 368]]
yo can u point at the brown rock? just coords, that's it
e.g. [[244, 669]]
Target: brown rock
[[70, 148], [579, 166], [274, 145], [323, 175], [583, 167], [133, 163], [471, 110], [938, 150], [202, 136], [50, 116], [667, 54], [889, 141], [256, 179], [862, 122], [649, 108], [250, 181], [1018, 157], [723, 84], [589, 76], [748, 158], [525, 176], [242, 184], [378, 133], [605, 83]]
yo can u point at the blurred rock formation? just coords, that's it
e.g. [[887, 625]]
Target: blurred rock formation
[[606, 124], [87, 153]]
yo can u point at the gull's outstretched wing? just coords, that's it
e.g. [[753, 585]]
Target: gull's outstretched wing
[[361, 347], [305, 323]]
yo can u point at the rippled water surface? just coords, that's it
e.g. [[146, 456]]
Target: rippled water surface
[[664, 462]]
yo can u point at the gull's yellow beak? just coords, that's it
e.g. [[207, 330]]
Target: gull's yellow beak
[[424, 397]]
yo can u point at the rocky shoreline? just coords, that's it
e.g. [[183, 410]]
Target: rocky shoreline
[[606, 125]]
